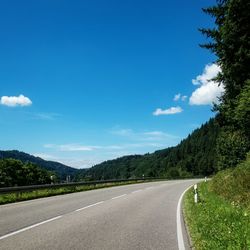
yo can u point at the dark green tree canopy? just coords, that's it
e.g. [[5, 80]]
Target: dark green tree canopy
[[229, 40]]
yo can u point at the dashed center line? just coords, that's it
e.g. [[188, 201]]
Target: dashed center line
[[30, 227], [136, 191], [117, 197], [92, 205], [58, 217]]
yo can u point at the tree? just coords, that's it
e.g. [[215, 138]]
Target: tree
[[16, 173], [230, 42]]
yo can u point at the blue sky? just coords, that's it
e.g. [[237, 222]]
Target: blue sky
[[86, 81]]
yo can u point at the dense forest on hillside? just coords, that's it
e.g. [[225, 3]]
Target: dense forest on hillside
[[194, 156], [16, 173], [57, 168], [222, 142], [229, 41]]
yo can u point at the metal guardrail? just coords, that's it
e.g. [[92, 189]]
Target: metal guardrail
[[19, 189]]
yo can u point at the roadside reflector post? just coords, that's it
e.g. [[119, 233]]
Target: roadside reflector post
[[195, 198], [205, 178], [195, 194]]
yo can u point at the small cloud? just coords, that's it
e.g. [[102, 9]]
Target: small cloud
[[46, 116], [45, 156], [170, 111], [71, 147], [177, 97], [155, 133], [158, 136], [209, 90], [206, 94], [123, 132], [210, 72], [183, 98], [180, 97], [13, 101]]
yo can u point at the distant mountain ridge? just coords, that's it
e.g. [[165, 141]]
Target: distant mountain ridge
[[60, 169], [193, 156]]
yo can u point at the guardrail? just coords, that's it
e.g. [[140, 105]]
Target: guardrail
[[20, 189]]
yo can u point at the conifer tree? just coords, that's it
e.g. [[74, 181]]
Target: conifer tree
[[229, 40]]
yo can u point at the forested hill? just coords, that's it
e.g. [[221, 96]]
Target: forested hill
[[193, 156], [60, 169]]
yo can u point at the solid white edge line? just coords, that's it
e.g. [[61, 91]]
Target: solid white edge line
[[181, 244], [29, 227], [117, 197], [80, 209]]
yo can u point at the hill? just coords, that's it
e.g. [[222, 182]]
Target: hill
[[16, 173], [193, 156], [59, 169]]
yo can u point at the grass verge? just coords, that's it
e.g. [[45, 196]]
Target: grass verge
[[216, 223], [29, 195]]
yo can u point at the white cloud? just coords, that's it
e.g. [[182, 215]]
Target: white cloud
[[170, 111], [155, 133], [177, 97], [13, 101], [210, 72], [158, 136], [45, 156], [71, 147], [183, 98], [206, 94], [123, 132], [142, 135], [45, 116], [208, 90]]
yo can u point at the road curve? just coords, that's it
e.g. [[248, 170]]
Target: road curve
[[140, 216]]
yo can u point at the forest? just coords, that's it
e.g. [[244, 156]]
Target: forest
[[194, 156], [222, 142], [16, 173]]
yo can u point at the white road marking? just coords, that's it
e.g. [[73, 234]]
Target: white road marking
[[92, 205], [137, 191], [30, 227], [117, 197], [181, 244], [149, 187]]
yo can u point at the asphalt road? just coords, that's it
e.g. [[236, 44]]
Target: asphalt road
[[140, 216]]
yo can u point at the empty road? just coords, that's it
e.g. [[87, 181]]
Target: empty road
[[140, 216]]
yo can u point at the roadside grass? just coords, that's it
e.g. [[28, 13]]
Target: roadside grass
[[22, 196], [216, 223], [234, 184]]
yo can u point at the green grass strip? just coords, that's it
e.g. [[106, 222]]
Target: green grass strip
[[215, 223], [29, 195]]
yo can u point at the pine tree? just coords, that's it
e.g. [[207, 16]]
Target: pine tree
[[229, 40]]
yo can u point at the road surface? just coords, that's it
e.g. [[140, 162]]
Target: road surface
[[140, 216]]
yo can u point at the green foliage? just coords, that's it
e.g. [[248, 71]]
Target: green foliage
[[234, 184], [194, 156], [59, 169], [28, 195], [242, 110], [215, 223], [229, 41], [221, 220], [15, 173], [232, 147]]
